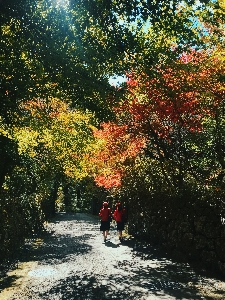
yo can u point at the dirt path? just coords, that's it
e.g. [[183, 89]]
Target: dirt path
[[72, 262]]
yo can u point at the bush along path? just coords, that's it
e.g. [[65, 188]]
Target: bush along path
[[70, 261]]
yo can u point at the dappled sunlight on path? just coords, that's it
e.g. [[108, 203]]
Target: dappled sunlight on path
[[71, 262]]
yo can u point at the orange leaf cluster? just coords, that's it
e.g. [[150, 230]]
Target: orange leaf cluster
[[178, 95]]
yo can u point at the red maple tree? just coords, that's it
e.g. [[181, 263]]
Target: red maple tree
[[178, 95]]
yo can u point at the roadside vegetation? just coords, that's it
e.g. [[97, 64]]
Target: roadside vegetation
[[156, 142]]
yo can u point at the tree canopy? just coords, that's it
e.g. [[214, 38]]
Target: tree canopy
[[61, 121], [168, 116], [68, 49]]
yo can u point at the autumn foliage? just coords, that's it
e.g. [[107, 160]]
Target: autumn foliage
[[56, 135], [179, 96]]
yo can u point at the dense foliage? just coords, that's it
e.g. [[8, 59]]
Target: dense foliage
[[65, 131], [174, 118]]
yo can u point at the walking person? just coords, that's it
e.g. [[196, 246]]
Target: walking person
[[106, 217], [119, 215]]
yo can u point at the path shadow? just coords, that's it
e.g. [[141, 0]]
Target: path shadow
[[139, 284], [50, 248], [151, 270], [111, 244]]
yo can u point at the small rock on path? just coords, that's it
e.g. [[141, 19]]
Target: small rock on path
[[71, 262]]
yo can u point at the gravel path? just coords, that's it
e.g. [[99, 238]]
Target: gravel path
[[72, 262]]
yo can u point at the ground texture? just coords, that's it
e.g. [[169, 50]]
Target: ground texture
[[70, 261]]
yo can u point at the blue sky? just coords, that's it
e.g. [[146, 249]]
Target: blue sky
[[117, 80]]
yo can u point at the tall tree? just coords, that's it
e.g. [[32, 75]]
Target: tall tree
[[167, 114], [69, 49]]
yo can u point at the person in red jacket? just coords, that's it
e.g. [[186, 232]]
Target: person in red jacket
[[119, 216], [106, 217]]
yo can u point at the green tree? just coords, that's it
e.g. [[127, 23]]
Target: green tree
[[51, 51]]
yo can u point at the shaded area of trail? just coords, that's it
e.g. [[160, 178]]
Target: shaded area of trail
[[71, 262]]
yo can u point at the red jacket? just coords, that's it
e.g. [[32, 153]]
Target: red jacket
[[105, 213], [118, 215]]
